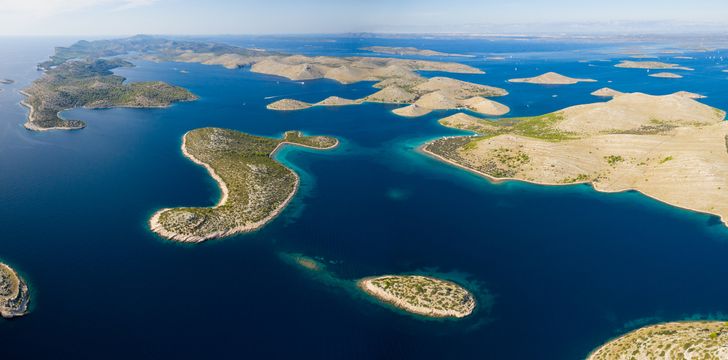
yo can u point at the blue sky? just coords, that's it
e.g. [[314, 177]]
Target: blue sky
[[121, 17]]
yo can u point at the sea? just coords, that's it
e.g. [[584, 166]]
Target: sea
[[556, 271]]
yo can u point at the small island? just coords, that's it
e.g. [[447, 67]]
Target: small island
[[14, 294], [255, 188], [671, 148], [7, 81], [666, 75], [393, 50], [650, 65], [291, 104], [421, 295], [551, 78], [676, 340]]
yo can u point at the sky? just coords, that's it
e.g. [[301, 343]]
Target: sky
[[211, 17]]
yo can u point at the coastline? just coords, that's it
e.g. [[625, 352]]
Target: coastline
[[20, 306], [157, 227], [31, 111], [384, 297], [423, 149], [633, 331]]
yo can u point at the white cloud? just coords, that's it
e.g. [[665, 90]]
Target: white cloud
[[47, 8]]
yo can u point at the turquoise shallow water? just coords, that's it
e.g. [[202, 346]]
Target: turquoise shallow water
[[567, 268]]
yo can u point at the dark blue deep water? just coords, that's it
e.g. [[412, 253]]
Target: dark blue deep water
[[565, 268]]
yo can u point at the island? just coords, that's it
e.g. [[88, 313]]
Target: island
[[666, 75], [675, 340], [14, 294], [290, 104], [394, 50], [91, 84], [6, 81], [421, 95], [671, 148], [551, 78], [421, 295], [255, 188], [650, 65]]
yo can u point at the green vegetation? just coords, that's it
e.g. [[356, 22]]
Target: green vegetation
[[91, 84], [665, 159], [576, 179], [421, 295], [503, 163], [14, 295], [613, 159], [537, 127], [257, 186]]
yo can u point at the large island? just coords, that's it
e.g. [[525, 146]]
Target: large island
[[81, 77], [255, 187], [677, 340], [670, 147], [421, 295], [409, 50], [14, 295]]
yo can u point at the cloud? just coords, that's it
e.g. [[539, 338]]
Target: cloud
[[48, 8]]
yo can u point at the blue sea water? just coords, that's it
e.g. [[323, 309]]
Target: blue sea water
[[566, 268]]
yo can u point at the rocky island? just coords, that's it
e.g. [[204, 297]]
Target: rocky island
[[291, 105], [14, 295], [650, 65], [393, 50], [670, 147], [677, 340], [666, 75], [255, 188], [551, 78], [421, 295], [91, 84]]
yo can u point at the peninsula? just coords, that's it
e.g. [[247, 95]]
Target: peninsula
[[394, 50], [606, 92], [650, 65], [551, 78], [255, 188], [671, 148], [14, 295], [91, 84], [421, 295], [677, 340]]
